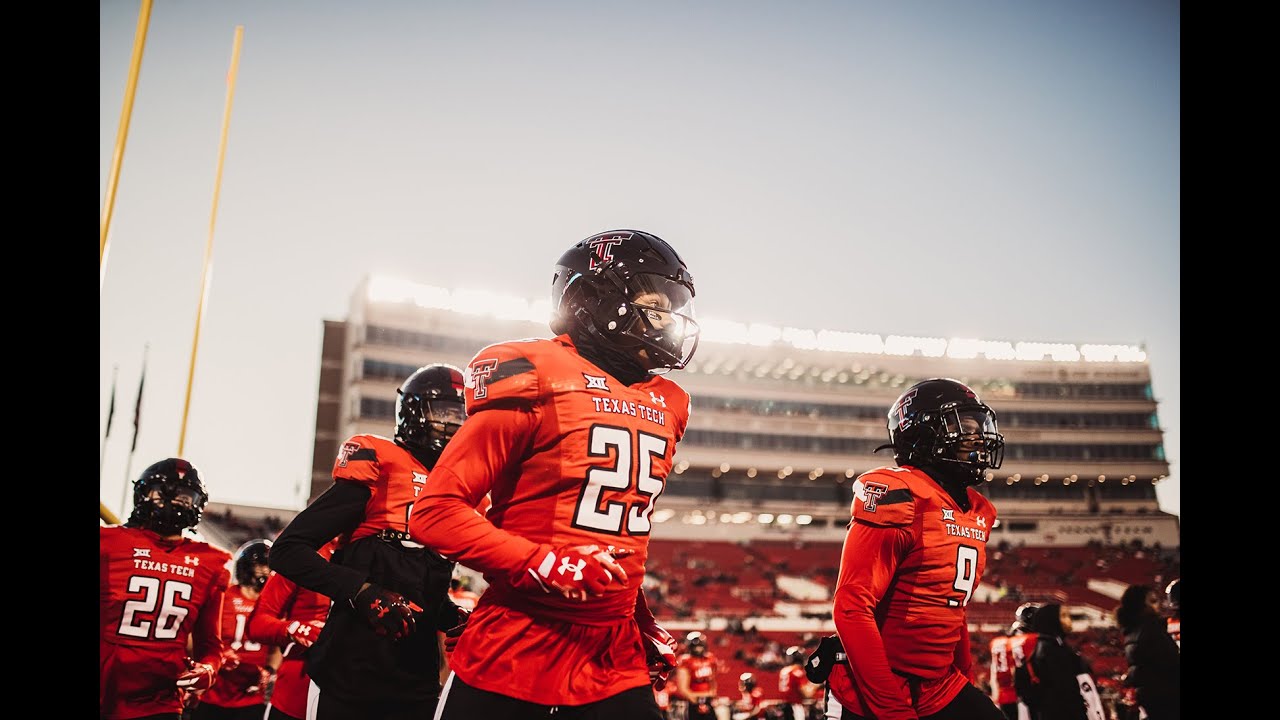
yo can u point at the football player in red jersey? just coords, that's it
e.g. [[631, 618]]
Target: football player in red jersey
[[1173, 598], [378, 656], [1008, 653], [794, 684], [912, 558], [159, 592], [750, 704], [696, 686], [290, 617], [248, 667], [572, 437]]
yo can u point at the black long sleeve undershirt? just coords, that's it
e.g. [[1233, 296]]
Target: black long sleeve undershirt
[[338, 510]]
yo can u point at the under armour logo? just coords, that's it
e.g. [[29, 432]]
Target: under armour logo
[[982, 522], [191, 560], [659, 399], [142, 552], [870, 493], [476, 375], [948, 515], [596, 383], [567, 565]]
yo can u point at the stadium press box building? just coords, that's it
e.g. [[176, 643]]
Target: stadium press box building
[[784, 419]]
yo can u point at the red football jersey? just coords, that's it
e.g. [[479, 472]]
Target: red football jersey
[[910, 564], [569, 456], [394, 477], [238, 686], [154, 595], [1008, 652], [1174, 626], [791, 682], [702, 671], [281, 604], [749, 702]]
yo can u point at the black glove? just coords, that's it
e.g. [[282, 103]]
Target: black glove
[[452, 634], [818, 666], [388, 613]]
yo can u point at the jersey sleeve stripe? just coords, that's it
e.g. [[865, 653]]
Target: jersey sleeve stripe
[[511, 368], [893, 497]]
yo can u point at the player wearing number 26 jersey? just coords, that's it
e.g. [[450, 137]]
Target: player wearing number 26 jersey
[[157, 592], [912, 558], [572, 438]]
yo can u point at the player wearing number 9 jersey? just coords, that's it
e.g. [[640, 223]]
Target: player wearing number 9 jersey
[[157, 591], [912, 558], [572, 438]]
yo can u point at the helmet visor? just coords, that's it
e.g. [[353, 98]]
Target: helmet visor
[[444, 417], [164, 493], [970, 422], [665, 309], [972, 431]]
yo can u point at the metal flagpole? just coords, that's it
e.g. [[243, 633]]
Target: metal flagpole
[[111, 413], [137, 421], [122, 135], [213, 217]]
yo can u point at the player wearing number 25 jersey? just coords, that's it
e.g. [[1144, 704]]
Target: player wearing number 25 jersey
[[573, 438], [912, 558], [157, 590]]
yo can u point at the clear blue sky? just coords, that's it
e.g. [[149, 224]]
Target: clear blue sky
[[990, 169]]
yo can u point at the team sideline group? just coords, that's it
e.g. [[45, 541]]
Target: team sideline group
[[539, 466]]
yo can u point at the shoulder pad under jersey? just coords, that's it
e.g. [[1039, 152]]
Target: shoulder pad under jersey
[[983, 506], [507, 373], [357, 458], [884, 497], [215, 554], [672, 398]]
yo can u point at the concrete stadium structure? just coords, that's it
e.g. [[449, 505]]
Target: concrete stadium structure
[[784, 418]]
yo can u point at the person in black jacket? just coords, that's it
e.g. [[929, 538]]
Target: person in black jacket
[[1152, 654], [1056, 682], [379, 655]]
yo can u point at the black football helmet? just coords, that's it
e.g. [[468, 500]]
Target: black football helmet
[[943, 423], [1022, 617], [252, 555], [1173, 595], [697, 643], [746, 682], [168, 497], [795, 655], [429, 410], [630, 293]]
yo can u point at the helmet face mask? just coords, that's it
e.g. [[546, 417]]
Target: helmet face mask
[[251, 564], [630, 291], [429, 410], [168, 497], [942, 423]]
